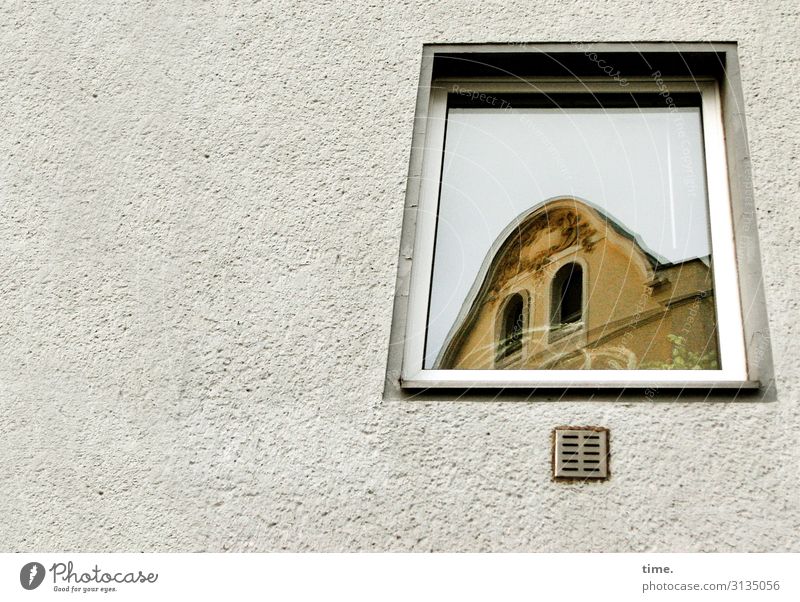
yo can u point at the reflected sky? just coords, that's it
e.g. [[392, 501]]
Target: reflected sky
[[643, 167]]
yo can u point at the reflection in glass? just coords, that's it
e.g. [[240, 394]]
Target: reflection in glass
[[599, 217]]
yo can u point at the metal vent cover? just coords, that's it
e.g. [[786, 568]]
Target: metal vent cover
[[580, 452]]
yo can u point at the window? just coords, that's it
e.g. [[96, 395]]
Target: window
[[606, 199], [512, 327], [566, 300]]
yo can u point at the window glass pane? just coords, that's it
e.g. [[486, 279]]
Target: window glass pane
[[617, 192]]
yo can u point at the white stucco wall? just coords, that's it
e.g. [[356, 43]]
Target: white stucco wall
[[200, 210]]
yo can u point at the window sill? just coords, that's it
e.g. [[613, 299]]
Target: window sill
[[564, 331], [575, 379]]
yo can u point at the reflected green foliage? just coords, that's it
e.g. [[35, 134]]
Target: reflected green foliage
[[683, 358]]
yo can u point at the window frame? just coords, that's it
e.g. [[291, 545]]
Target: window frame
[[745, 350]]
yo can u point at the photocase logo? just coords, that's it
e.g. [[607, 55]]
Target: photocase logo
[[31, 575]]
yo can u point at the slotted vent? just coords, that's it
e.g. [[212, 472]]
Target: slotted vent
[[581, 453]]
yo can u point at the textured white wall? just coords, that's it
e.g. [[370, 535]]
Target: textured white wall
[[200, 217]]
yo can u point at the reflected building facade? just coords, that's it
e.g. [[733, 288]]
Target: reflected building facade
[[565, 286]]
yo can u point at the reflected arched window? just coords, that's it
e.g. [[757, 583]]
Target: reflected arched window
[[511, 326], [567, 297]]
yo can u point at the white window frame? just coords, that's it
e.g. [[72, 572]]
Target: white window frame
[[730, 330]]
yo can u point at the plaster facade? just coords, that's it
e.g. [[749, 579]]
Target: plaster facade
[[200, 215]]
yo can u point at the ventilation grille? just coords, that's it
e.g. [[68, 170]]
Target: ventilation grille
[[581, 453]]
